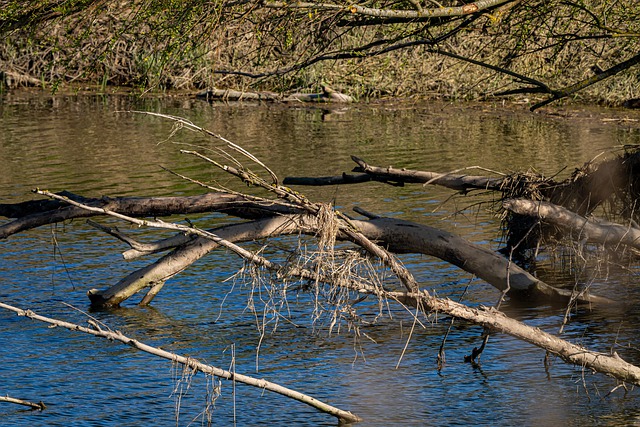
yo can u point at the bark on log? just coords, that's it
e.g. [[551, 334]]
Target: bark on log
[[457, 182], [399, 177], [328, 180], [399, 236], [140, 207], [235, 95], [173, 263], [343, 416], [30, 207], [586, 230]]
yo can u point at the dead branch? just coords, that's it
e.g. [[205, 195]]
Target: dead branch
[[343, 416], [156, 274], [397, 235], [391, 13], [457, 182], [235, 95], [39, 406], [570, 90], [399, 177], [584, 229], [610, 364], [43, 214]]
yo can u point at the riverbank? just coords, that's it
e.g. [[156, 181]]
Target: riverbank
[[121, 45]]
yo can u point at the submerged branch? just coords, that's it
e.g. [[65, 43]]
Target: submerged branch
[[343, 416], [38, 406], [398, 177], [610, 364], [450, 180]]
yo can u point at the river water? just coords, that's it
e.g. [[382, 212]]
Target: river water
[[89, 145]]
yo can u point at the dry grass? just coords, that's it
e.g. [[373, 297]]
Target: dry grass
[[119, 45]]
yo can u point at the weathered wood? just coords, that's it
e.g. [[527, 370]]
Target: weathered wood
[[173, 263], [328, 180], [30, 207], [454, 181], [397, 235], [343, 416], [581, 228], [401, 236], [327, 95], [40, 406], [609, 363], [142, 207], [399, 177], [236, 95]]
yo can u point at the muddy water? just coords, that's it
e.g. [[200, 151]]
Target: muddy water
[[88, 145]]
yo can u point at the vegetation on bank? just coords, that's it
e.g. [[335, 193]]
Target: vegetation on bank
[[529, 48]]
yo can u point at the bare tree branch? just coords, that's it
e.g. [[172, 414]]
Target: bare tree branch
[[392, 13], [39, 406], [96, 331], [570, 90]]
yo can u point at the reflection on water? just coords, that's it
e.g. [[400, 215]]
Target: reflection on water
[[89, 146]]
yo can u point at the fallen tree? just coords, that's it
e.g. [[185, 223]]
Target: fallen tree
[[320, 263], [612, 181]]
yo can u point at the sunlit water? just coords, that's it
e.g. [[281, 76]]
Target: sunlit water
[[90, 146]]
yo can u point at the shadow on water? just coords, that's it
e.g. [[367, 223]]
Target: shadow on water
[[81, 144]]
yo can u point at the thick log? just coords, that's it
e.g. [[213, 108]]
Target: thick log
[[397, 235], [582, 229], [401, 236], [236, 95], [30, 207], [141, 207]]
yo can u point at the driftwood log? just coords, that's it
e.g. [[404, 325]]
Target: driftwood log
[[37, 213], [327, 95], [397, 235], [491, 319]]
